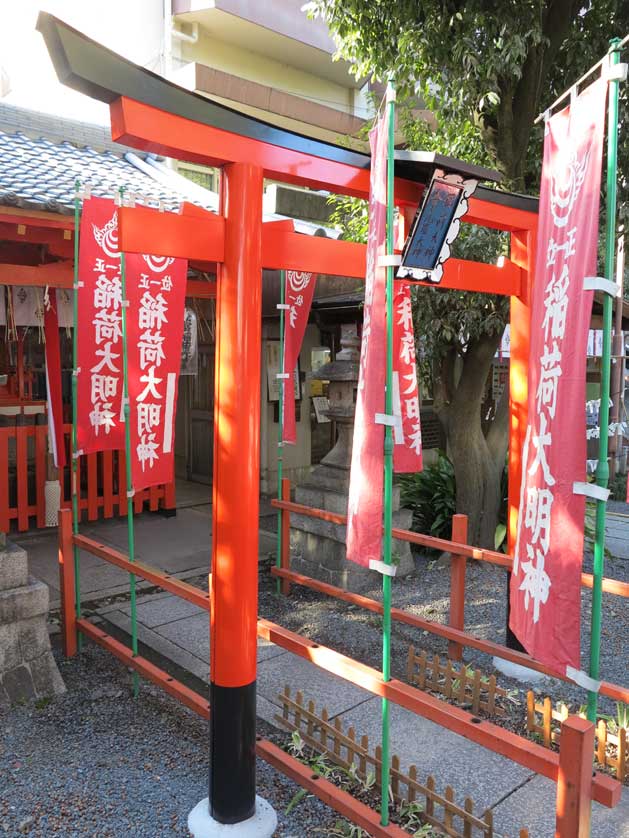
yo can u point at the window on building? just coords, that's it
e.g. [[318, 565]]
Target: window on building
[[201, 175]]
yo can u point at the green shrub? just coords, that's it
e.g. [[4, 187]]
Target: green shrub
[[431, 494], [618, 487]]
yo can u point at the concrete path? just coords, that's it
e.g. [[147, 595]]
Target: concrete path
[[180, 545]]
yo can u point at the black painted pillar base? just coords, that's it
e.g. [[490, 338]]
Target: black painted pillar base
[[232, 796]]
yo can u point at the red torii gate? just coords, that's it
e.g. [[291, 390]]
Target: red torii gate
[[152, 114]]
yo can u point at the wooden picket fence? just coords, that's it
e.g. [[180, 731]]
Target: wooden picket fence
[[352, 754], [466, 686], [548, 729], [102, 481]]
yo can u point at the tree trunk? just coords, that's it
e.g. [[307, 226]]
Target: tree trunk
[[478, 461], [477, 477]]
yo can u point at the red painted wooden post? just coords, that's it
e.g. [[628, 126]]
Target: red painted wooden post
[[285, 554], [138, 501], [108, 484], [457, 585], [66, 584], [236, 492], [4, 479], [574, 782], [21, 468], [92, 486], [41, 445], [170, 499]]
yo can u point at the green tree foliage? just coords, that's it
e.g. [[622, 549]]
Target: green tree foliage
[[486, 70]]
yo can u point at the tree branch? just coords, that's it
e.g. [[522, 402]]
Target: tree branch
[[476, 364]]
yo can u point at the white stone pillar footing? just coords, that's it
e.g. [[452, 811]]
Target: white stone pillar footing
[[261, 825]]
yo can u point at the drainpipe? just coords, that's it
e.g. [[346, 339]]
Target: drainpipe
[[167, 52]]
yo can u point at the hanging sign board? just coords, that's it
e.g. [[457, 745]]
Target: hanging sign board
[[189, 344], [546, 580], [28, 306], [64, 308], [436, 226]]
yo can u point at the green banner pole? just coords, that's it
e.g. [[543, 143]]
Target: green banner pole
[[602, 469], [127, 442], [75, 459], [280, 429], [388, 466]]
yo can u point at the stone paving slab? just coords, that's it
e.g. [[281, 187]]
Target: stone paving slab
[[452, 760], [533, 806], [161, 645], [163, 610], [190, 633], [322, 687], [185, 641], [187, 627]]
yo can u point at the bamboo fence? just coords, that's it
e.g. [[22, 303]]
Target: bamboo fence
[[353, 754]]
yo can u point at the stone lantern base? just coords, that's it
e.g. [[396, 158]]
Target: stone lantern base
[[318, 547], [27, 667]]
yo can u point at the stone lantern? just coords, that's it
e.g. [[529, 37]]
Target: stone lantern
[[318, 547]]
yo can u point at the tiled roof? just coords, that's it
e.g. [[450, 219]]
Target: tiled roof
[[40, 173]]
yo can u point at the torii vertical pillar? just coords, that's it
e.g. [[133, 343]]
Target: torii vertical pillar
[[234, 581]]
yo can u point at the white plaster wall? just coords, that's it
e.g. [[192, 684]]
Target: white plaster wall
[[245, 64]]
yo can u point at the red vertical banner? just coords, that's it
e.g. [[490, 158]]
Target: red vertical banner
[[546, 580], [156, 290], [300, 288], [99, 420], [407, 435], [53, 379], [364, 508]]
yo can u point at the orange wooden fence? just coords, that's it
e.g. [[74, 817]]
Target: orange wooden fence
[[102, 481]]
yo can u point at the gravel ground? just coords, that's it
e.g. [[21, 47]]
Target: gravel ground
[[358, 633], [95, 763]]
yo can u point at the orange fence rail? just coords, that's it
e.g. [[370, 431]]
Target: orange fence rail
[[610, 586], [102, 481]]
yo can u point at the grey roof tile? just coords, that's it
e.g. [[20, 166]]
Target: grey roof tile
[[38, 172]]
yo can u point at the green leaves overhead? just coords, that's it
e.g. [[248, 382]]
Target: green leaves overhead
[[482, 67]]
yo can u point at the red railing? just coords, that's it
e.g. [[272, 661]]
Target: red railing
[[102, 481], [454, 632]]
